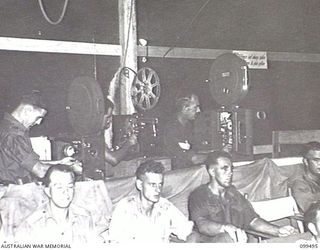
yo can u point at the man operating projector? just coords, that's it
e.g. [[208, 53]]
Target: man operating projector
[[19, 164]]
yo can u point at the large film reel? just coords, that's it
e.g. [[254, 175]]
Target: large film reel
[[85, 105], [229, 79], [145, 91]]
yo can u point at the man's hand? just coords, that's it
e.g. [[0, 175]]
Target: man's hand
[[286, 231], [132, 140], [184, 145], [67, 161], [227, 148], [77, 167], [236, 234]]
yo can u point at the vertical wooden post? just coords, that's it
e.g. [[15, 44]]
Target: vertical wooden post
[[128, 42]]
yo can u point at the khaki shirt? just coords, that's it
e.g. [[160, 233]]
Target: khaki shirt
[[42, 227], [130, 224]]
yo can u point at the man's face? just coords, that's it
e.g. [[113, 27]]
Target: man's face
[[151, 186], [61, 189], [312, 162], [193, 109], [34, 116], [223, 172], [107, 119]]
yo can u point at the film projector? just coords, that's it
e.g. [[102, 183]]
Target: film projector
[[145, 94], [86, 109], [229, 126]]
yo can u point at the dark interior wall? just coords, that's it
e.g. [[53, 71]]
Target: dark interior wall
[[273, 25], [84, 21], [21, 72], [288, 92]]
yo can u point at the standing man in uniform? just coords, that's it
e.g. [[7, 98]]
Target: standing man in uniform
[[19, 164]]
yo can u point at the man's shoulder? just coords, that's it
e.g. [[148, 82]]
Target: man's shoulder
[[303, 183], [128, 201], [79, 211], [37, 215], [172, 123], [10, 128], [198, 192], [165, 204], [233, 189], [200, 189]]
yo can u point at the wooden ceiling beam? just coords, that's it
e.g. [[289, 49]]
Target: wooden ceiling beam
[[51, 46]]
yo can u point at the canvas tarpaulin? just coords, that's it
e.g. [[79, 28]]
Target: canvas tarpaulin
[[260, 180]]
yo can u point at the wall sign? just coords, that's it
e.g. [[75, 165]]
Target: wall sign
[[254, 59]]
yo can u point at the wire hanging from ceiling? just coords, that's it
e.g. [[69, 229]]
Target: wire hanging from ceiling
[[44, 13]]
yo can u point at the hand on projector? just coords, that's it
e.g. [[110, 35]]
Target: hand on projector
[[67, 161], [132, 140], [77, 167]]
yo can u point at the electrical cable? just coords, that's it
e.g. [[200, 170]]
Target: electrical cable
[[44, 13], [189, 26]]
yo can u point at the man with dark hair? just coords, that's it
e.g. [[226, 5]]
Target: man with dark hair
[[146, 216], [306, 188], [114, 156], [220, 212], [18, 161], [58, 221], [178, 134]]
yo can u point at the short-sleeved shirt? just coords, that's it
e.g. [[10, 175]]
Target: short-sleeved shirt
[[41, 226], [130, 224], [174, 134], [232, 209], [305, 191], [17, 157]]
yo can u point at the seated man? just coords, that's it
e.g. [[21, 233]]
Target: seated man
[[114, 156], [312, 221], [58, 221], [146, 216], [220, 212], [306, 188], [19, 164], [178, 134]]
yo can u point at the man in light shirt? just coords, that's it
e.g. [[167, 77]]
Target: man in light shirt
[[146, 216], [58, 220]]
